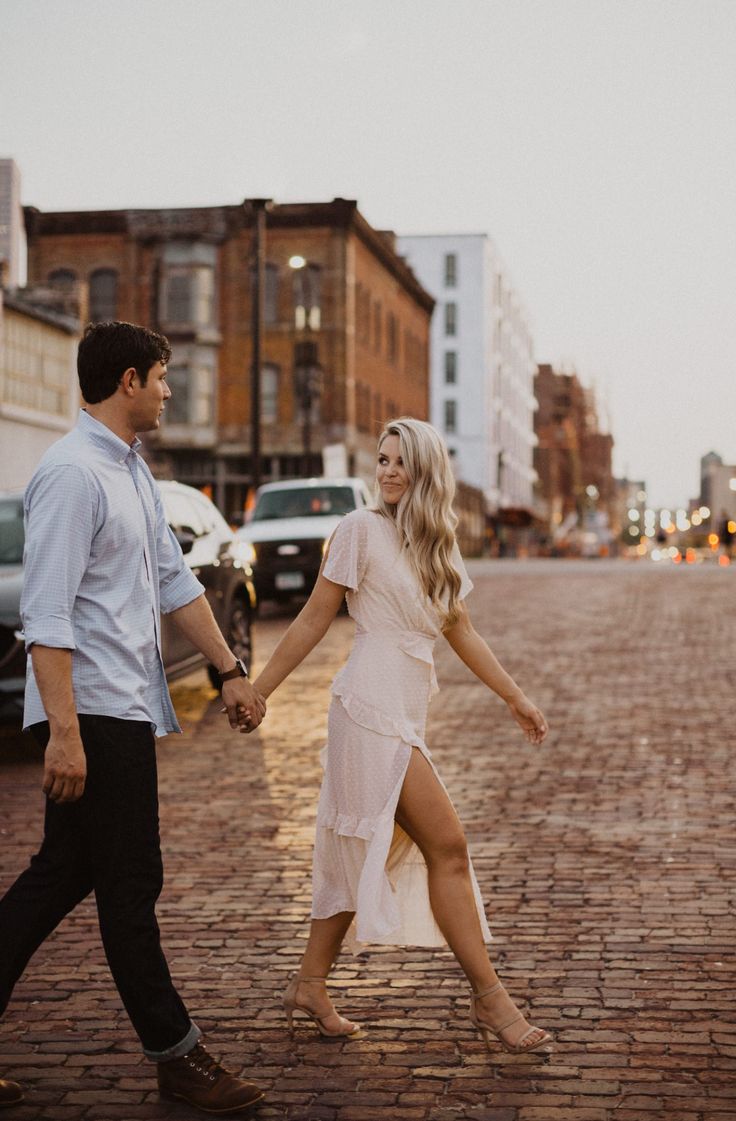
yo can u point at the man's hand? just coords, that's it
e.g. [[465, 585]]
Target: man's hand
[[65, 768], [244, 706]]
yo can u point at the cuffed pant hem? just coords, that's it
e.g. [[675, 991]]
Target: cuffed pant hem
[[179, 1049]]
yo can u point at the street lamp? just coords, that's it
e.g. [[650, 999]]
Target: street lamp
[[307, 370]]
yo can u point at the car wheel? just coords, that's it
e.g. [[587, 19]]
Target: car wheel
[[239, 636]]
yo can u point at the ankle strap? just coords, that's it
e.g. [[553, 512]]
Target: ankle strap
[[486, 992], [311, 979]]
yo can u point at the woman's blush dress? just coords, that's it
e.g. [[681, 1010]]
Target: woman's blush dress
[[363, 861]]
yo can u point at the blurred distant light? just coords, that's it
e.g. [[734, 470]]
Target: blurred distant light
[[704, 512], [691, 556], [591, 491], [713, 540], [650, 531], [696, 518], [633, 514], [732, 483], [732, 527], [723, 560], [641, 549], [641, 496], [665, 517], [656, 554], [297, 262], [634, 530]]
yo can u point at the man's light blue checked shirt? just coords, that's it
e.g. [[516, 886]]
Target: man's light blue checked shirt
[[100, 564]]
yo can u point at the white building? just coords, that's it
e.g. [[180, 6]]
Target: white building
[[12, 235], [482, 364], [39, 394]]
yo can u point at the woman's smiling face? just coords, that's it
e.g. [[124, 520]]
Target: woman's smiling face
[[391, 475]]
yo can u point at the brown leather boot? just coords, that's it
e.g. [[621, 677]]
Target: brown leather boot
[[199, 1079], [10, 1093]]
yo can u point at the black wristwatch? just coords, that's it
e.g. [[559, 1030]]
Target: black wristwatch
[[238, 670]]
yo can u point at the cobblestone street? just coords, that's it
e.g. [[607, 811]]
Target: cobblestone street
[[606, 859]]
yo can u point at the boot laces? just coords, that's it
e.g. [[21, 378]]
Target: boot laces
[[200, 1060]]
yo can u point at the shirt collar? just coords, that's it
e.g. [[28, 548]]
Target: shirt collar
[[105, 438]]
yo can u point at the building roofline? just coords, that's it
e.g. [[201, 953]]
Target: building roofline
[[52, 318], [216, 223]]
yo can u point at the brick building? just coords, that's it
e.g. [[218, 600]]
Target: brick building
[[573, 457], [187, 273]]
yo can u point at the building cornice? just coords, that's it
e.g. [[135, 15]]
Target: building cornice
[[215, 224]]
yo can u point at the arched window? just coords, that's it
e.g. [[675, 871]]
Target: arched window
[[103, 295], [62, 280]]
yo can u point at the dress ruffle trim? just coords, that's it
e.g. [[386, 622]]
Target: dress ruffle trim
[[372, 718]]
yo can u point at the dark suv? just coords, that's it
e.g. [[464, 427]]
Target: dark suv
[[213, 553]]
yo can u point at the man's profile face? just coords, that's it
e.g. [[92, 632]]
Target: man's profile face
[[150, 399]]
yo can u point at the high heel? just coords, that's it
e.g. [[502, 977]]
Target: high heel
[[292, 1005], [486, 1029]]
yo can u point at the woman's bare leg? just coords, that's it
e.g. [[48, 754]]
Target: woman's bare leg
[[323, 946], [427, 815]]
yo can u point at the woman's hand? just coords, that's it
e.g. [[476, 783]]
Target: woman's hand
[[528, 717]]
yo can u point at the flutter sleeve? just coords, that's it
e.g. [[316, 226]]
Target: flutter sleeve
[[347, 554], [466, 584]]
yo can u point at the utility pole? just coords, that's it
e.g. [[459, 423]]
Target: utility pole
[[258, 208]]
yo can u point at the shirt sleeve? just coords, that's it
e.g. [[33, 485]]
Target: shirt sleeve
[[466, 584], [347, 554], [178, 585], [61, 508]]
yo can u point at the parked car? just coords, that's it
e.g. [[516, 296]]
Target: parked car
[[292, 522], [222, 564], [218, 560]]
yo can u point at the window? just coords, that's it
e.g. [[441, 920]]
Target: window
[[450, 416], [377, 326], [190, 295], [450, 270], [450, 367], [308, 297], [393, 337], [103, 295], [270, 393], [62, 280], [271, 294], [451, 319], [192, 394]]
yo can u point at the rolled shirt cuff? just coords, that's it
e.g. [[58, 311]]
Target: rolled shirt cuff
[[180, 591], [49, 630]]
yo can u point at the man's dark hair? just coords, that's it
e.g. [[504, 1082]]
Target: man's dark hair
[[107, 350]]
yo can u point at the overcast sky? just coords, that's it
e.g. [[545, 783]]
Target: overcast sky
[[595, 140]]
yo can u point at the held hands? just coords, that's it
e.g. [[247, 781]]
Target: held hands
[[65, 768], [528, 717], [244, 706]]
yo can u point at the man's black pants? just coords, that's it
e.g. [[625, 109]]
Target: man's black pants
[[107, 842]]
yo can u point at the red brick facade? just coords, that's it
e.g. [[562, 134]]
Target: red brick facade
[[370, 323]]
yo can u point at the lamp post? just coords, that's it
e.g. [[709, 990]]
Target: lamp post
[[307, 370], [258, 209]]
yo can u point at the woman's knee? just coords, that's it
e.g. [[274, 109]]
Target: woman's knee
[[449, 851]]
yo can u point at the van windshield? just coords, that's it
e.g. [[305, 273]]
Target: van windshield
[[11, 531], [304, 502]]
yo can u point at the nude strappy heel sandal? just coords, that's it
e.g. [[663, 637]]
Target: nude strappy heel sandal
[[292, 1005], [487, 1030]]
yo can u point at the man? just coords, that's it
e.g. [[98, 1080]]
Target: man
[[100, 565]]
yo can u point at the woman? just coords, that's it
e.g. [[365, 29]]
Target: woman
[[390, 857]]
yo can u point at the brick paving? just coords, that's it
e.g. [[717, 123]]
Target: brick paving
[[606, 860]]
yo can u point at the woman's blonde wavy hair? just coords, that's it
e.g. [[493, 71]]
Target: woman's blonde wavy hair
[[424, 517]]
